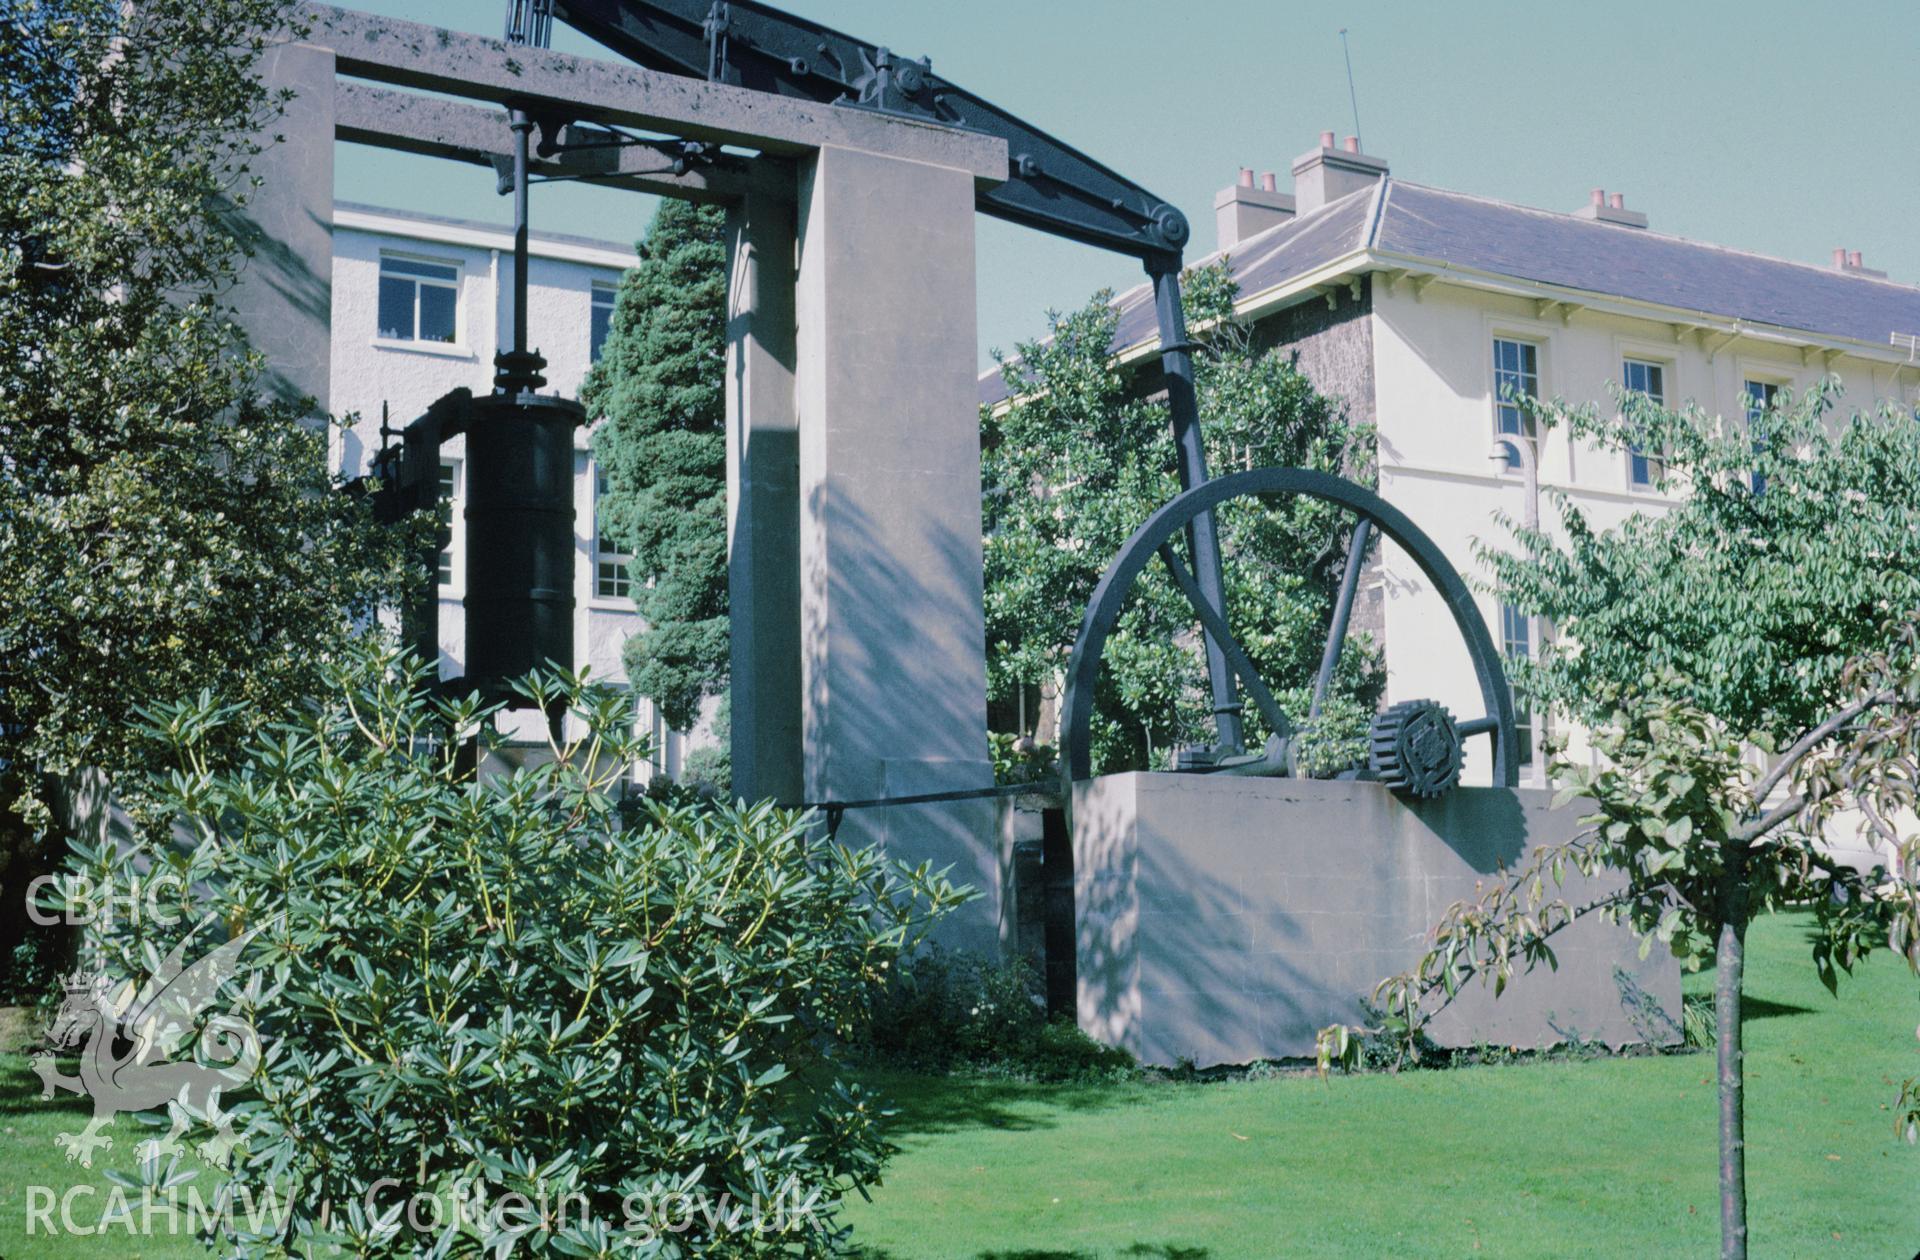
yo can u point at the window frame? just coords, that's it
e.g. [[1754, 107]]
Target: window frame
[[1527, 341], [1771, 384], [453, 555], [1655, 464], [1523, 717], [600, 554], [457, 285], [611, 292]]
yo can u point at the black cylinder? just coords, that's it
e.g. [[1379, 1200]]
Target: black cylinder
[[520, 541]]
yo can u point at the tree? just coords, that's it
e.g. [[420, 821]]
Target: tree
[[160, 524], [1749, 665], [658, 398], [1755, 601], [1077, 460]]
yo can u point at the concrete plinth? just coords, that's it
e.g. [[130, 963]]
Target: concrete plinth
[[1224, 920]]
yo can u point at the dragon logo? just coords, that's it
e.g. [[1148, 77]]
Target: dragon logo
[[152, 1022]]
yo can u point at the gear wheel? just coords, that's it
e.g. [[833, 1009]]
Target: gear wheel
[[1414, 748]]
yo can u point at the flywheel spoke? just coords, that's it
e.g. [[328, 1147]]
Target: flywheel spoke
[[1216, 626], [1342, 613]]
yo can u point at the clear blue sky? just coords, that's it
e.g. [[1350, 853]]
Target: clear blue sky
[[1786, 128]]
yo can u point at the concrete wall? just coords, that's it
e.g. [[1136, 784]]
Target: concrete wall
[[286, 229], [892, 644], [1227, 920]]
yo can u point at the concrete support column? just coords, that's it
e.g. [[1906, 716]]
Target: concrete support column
[[285, 296], [763, 496], [893, 666]]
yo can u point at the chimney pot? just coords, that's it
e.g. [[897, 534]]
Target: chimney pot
[[1326, 174], [1241, 210], [1606, 207], [1840, 258], [1853, 260], [1268, 183]]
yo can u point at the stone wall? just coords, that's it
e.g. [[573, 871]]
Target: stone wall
[[1330, 339]]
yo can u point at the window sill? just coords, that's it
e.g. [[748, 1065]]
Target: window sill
[[603, 603], [439, 349]]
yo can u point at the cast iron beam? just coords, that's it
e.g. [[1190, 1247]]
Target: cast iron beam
[[1050, 185]]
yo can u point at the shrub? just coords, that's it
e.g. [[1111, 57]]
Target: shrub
[[946, 1010], [1018, 759], [486, 987]]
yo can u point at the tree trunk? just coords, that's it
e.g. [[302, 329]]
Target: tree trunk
[[1729, 969]]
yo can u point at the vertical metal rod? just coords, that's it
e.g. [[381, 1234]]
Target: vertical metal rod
[[1353, 97], [522, 126], [1342, 613], [1203, 537]]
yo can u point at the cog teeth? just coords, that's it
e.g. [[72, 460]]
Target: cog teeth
[[1414, 749]]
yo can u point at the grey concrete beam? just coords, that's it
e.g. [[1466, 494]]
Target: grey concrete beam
[[435, 127], [410, 54]]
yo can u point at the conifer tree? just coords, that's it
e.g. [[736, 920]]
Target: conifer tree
[[657, 397]]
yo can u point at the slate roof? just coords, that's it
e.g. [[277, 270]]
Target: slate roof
[[1441, 229]]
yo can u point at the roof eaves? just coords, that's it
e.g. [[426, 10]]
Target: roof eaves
[[1632, 308]]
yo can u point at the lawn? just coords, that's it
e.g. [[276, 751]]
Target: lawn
[[1604, 1158], [1608, 1158]]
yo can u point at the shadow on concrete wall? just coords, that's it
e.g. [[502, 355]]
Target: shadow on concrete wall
[[1181, 954], [283, 302], [894, 716], [1226, 921], [1487, 830]]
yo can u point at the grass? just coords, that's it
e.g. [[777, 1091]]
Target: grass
[[29, 1158], [1610, 1157]]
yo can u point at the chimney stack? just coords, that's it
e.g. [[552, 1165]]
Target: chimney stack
[[1849, 262], [1241, 210], [1603, 207], [1327, 174]]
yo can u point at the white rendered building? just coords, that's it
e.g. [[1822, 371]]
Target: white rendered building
[[1419, 306], [420, 305]]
